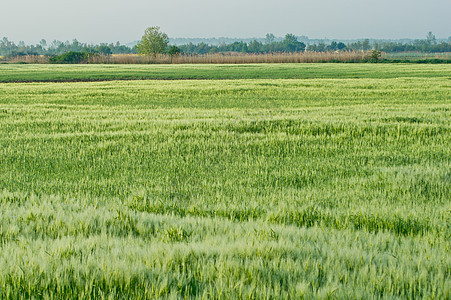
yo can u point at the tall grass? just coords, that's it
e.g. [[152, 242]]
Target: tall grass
[[417, 55], [218, 58], [27, 59], [240, 58]]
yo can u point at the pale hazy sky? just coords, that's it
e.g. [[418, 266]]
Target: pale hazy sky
[[125, 21]]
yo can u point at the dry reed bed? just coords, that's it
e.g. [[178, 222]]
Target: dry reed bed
[[234, 58], [28, 59], [217, 58], [240, 58]]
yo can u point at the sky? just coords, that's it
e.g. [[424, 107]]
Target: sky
[[95, 21]]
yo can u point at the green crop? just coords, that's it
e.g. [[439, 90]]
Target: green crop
[[242, 188], [50, 73]]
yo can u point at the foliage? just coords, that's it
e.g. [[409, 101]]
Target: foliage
[[292, 44], [375, 56], [270, 44], [153, 42], [270, 38], [360, 45], [9, 48], [333, 186], [289, 44], [174, 50], [104, 49], [430, 38], [71, 58]]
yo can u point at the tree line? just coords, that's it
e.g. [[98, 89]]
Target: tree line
[[9, 48], [291, 44], [271, 44]]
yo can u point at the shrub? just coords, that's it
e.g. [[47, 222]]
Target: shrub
[[71, 58], [375, 55]]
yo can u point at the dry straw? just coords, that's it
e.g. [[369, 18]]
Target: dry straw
[[235, 58], [29, 59], [217, 58]]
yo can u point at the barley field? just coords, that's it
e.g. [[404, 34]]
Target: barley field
[[237, 182], [93, 72]]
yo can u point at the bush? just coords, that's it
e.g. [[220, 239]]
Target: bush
[[375, 56], [71, 58]]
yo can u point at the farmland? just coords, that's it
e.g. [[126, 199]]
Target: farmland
[[225, 181], [62, 73]]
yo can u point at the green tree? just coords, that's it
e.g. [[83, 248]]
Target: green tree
[[174, 51], [153, 42], [430, 38], [43, 43], [104, 49], [270, 38], [255, 46], [366, 45], [292, 44], [375, 55]]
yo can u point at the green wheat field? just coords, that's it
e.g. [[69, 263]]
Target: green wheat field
[[225, 181]]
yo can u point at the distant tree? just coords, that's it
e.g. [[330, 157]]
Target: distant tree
[[76, 46], [43, 43], [104, 49], [255, 46], [430, 38], [336, 46], [214, 49], [235, 47], [366, 45], [341, 46], [174, 51], [375, 55], [153, 42], [291, 43], [244, 47], [270, 38], [320, 47], [202, 48]]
